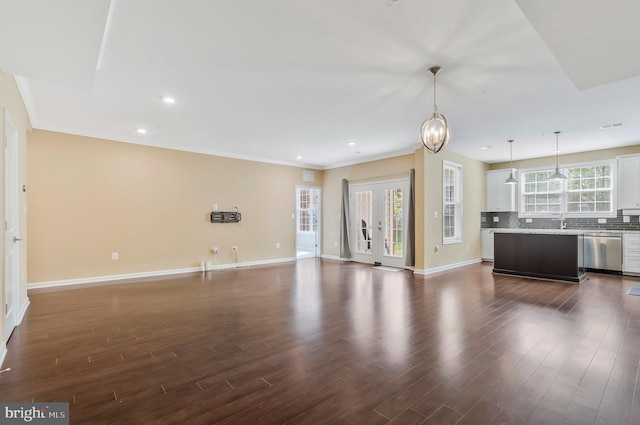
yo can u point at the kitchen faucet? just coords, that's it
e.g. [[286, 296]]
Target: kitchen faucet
[[563, 223]]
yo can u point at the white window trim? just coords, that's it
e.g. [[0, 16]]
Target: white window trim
[[563, 194], [459, 195]]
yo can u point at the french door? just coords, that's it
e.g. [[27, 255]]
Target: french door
[[379, 214], [307, 221], [11, 236]]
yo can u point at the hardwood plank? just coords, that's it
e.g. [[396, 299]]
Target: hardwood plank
[[444, 416], [332, 342]]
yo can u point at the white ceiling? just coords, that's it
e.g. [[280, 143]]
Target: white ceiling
[[273, 80]]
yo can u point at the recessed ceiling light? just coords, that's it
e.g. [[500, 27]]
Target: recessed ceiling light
[[607, 126], [298, 157], [142, 130], [392, 2], [168, 99], [352, 143], [486, 147]]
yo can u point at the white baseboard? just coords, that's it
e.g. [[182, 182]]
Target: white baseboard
[[3, 347], [334, 257], [447, 267], [96, 279], [23, 310], [244, 264], [3, 353]]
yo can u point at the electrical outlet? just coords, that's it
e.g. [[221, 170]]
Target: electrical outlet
[[529, 220], [277, 244], [214, 249], [602, 220], [114, 255], [496, 219]]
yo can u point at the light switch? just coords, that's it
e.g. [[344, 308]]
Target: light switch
[[496, 219]]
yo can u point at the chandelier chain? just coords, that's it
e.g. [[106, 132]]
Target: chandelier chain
[[435, 106]]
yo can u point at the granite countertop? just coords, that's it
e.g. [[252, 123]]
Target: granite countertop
[[559, 231], [543, 231]]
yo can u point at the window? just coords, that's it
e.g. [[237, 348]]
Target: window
[[451, 202], [307, 202], [393, 238], [588, 191], [541, 195]]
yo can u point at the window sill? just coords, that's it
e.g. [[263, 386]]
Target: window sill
[[451, 241]]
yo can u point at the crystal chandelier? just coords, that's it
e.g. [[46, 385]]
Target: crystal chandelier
[[435, 133]]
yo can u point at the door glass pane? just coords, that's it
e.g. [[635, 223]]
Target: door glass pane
[[364, 222], [393, 225]]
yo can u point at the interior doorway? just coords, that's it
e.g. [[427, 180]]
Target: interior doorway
[[308, 202], [379, 213], [11, 234]]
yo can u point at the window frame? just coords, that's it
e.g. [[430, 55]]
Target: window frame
[[458, 198], [564, 192], [309, 210]]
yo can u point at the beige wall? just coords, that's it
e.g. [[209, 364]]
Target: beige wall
[[91, 197], [428, 199], [385, 169], [569, 159], [11, 102], [472, 203]]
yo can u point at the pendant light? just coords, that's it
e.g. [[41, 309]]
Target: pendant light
[[511, 179], [434, 133], [557, 175]]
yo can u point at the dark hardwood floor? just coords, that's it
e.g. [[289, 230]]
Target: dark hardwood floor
[[321, 341]]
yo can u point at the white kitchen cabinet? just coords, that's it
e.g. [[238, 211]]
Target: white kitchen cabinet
[[500, 196], [486, 240], [631, 253], [629, 182]]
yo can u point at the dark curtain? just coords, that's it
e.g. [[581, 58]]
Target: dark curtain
[[345, 247], [410, 251]]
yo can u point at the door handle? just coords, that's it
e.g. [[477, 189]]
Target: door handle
[[16, 239]]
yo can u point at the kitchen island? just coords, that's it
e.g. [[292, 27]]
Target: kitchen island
[[546, 254]]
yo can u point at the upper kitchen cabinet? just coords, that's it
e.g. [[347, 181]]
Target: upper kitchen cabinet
[[629, 182], [500, 196]]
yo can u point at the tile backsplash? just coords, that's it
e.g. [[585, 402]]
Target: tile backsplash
[[510, 220]]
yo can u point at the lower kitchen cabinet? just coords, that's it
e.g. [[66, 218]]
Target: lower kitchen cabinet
[[631, 253], [486, 239]]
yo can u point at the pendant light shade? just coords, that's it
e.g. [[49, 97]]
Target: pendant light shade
[[557, 175], [435, 133], [511, 179]]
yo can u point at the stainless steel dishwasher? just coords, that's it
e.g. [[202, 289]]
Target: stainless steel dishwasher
[[603, 252]]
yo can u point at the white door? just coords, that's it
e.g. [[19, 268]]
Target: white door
[[307, 221], [11, 227], [379, 214]]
